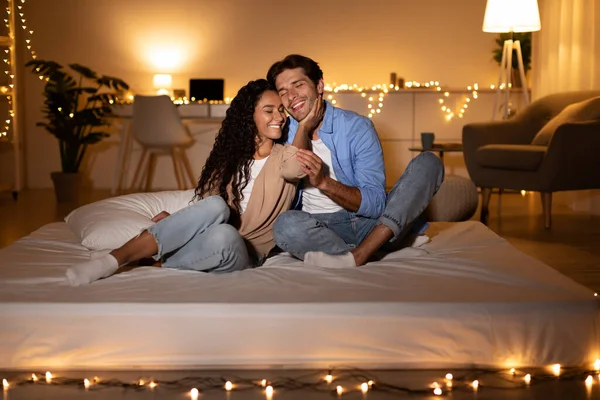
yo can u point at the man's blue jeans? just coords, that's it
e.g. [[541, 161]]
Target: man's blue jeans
[[298, 232], [198, 237]]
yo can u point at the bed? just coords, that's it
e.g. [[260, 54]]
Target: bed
[[467, 298]]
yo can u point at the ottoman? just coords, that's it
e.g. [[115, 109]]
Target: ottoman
[[455, 201]]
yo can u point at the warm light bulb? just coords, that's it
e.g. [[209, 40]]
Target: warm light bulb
[[263, 383], [194, 394], [446, 94], [141, 382], [512, 371], [527, 379], [475, 384], [339, 390], [48, 377], [86, 383], [437, 391], [523, 193], [34, 378], [269, 391], [153, 385], [364, 387], [329, 378], [5, 384], [589, 380], [228, 386], [555, 367], [597, 364], [449, 376]]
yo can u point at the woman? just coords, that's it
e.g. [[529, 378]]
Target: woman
[[247, 181]]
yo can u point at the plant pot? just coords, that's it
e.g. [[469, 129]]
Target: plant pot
[[68, 186]]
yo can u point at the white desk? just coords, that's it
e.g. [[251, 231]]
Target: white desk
[[190, 114]]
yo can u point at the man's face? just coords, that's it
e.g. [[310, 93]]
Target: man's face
[[298, 93]]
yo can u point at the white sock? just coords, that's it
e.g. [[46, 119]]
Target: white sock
[[320, 259], [99, 254], [419, 241], [90, 271]]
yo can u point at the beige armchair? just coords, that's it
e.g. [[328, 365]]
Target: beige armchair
[[501, 154]]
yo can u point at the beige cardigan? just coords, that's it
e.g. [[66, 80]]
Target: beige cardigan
[[273, 192]]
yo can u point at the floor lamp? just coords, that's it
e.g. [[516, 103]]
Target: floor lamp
[[509, 16]]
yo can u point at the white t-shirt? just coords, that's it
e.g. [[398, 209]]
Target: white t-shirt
[[255, 167], [313, 200]]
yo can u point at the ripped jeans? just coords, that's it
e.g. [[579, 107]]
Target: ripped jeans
[[199, 238]]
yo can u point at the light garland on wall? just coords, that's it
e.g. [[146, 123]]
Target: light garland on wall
[[343, 383], [6, 90], [377, 93]]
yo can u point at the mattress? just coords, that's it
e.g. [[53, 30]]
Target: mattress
[[467, 298]]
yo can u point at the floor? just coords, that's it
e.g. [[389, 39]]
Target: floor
[[571, 246]]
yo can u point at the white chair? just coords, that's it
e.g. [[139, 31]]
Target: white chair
[[157, 127]]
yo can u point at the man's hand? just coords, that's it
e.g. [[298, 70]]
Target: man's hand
[[162, 215], [312, 165], [314, 117]]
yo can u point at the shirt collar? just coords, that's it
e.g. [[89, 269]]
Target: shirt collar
[[327, 125]]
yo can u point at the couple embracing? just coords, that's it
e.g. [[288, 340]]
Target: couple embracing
[[311, 184]]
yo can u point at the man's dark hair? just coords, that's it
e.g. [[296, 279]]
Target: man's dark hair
[[309, 66]]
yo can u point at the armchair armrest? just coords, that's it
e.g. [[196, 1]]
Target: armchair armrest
[[496, 132], [572, 161]]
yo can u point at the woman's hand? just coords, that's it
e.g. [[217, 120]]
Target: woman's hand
[[162, 215], [314, 116]]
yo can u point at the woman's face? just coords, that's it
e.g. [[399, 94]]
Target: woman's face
[[269, 116]]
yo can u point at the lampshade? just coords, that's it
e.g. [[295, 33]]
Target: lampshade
[[511, 16], [162, 81]]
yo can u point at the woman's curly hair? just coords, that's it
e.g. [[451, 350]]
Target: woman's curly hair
[[234, 148]]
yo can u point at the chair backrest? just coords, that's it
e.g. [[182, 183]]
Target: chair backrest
[[539, 112], [156, 123]]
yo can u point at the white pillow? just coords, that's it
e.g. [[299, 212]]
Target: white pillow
[[109, 223]]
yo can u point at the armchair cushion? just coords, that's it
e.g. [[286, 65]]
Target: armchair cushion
[[511, 156], [587, 110]]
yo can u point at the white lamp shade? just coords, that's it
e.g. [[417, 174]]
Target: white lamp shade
[[511, 16], [162, 81]]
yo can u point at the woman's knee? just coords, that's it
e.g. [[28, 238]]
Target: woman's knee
[[214, 205]]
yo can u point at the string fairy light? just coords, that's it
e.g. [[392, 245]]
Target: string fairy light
[[352, 381]]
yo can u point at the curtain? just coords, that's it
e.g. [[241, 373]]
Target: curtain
[[566, 51]]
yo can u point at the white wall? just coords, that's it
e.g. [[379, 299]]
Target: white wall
[[355, 41]]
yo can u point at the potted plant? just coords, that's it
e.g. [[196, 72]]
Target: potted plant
[[76, 106], [525, 40]]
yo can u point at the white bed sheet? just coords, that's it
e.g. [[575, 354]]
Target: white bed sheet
[[467, 298]]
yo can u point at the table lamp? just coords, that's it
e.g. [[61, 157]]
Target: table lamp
[[509, 16]]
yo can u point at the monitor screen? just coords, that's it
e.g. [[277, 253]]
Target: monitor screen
[[207, 89]]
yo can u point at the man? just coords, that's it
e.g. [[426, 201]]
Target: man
[[346, 216]]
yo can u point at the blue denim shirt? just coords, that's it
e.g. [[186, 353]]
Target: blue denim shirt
[[356, 155]]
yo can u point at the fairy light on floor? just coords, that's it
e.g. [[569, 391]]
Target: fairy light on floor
[[556, 369], [351, 382], [269, 392]]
